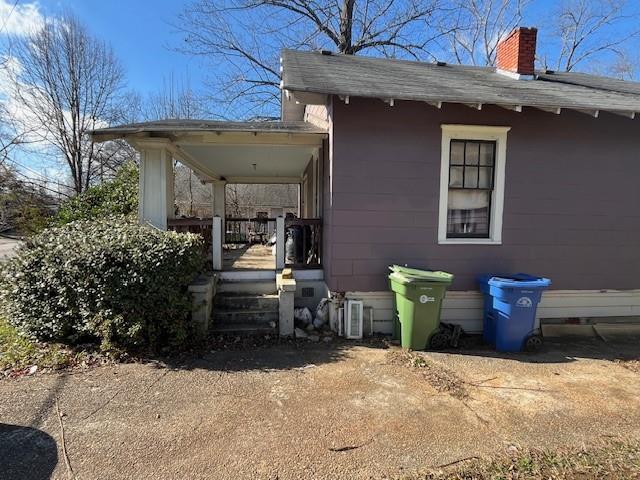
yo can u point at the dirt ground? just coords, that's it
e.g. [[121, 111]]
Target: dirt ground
[[316, 411]]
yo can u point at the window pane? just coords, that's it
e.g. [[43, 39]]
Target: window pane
[[468, 214], [471, 177], [471, 153], [457, 153], [455, 176], [486, 177], [486, 153]]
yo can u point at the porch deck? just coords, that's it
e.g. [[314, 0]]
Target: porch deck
[[248, 257]]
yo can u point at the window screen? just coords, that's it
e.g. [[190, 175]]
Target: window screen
[[471, 178]]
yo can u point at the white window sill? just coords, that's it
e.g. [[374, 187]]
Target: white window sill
[[469, 241]]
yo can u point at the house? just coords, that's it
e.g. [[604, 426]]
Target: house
[[458, 168]]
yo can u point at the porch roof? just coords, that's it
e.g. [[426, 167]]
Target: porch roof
[[184, 126], [236, 152]]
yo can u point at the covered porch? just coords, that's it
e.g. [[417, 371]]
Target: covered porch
[[230, 153]]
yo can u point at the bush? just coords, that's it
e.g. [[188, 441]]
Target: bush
[[110, 281], [116, 197]]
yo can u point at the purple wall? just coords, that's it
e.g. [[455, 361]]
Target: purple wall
[[572, 201]]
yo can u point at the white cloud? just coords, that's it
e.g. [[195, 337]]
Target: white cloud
[[21, 19]]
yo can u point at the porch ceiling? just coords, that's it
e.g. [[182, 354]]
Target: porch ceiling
[[241, 162], [236, 152]]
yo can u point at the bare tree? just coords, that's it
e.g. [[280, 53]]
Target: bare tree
[[68, 83], [245, 199], [192, 196], [244, 38], [176, 100], [586, 30], [10, 136], [590, 34], [476, 27]]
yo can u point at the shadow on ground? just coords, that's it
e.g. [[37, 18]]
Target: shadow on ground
[[559, 350], [255, 354], [26, 453], [251, 354]]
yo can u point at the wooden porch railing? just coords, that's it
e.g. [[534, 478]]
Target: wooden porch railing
[[249, 230], [300, 247], [303, 244]]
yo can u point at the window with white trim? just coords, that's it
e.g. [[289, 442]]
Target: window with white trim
[[472, 184]]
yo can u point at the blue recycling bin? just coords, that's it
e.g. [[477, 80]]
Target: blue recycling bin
[[510, 304]]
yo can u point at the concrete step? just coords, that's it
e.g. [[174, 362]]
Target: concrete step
[[247, 275], [245, 316], [248, 288], [239, 301], [243, 329]]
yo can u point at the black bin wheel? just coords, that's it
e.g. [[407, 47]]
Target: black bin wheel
[[533, 343], [439, 341]]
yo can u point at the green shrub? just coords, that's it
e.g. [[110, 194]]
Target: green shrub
[[116, 197], [110, 281]]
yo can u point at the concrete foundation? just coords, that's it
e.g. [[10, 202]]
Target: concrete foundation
[[286, 295], [202, 292]]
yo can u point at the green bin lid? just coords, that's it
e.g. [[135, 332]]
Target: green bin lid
[[408, 275]]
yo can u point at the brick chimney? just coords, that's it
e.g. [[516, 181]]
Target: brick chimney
[[516, 53]]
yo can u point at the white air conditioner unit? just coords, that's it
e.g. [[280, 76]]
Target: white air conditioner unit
[[353, 319]]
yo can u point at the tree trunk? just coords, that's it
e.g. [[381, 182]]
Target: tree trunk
[[346, 27]]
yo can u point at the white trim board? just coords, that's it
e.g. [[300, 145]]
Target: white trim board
[[465, 308]]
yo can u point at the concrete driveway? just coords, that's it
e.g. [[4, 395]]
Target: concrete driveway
[[7, 248], [313, 411]]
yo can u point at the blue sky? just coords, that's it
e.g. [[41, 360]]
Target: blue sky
[[142, 36]]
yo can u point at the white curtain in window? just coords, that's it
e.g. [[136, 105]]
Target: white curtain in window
[[468, 199], [468, 212]]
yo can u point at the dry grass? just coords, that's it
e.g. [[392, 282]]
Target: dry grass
[[440, 378], [22, 356], [631, 364], [611, 461]]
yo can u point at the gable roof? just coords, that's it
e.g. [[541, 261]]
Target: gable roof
[[358, 76]]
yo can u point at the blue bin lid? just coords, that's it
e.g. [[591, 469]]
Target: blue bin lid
[[516, 280]]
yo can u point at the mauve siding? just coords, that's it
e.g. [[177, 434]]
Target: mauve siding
[[571, 210]]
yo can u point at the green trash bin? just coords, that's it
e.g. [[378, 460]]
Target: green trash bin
[[418, 302]]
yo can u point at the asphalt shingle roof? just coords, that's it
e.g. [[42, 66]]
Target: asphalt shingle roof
[[359, 76]]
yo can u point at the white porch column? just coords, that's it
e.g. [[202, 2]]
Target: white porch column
[[216, 242], [218, 198], [156, 187], [219, 202], [279, 243]]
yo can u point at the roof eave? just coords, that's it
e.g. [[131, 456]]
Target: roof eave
[[300, 94]]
